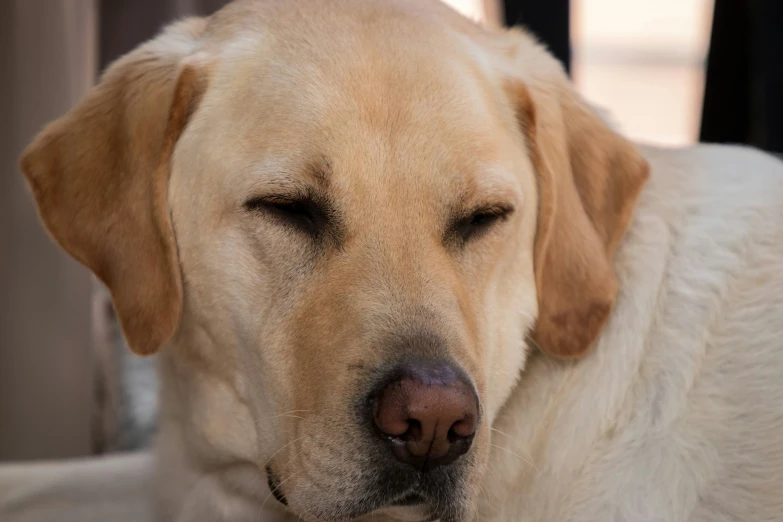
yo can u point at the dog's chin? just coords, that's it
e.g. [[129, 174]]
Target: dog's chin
[[420, 512], [407, 510], [410, 508], [416, 513], [402, 496]]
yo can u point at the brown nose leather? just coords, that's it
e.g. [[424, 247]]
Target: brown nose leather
[[428, 413]]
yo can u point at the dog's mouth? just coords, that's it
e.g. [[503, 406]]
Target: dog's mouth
[[409, 506], [410, 499], [274, 486]]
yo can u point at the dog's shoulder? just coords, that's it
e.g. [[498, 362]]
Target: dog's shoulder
[[675, 415], [708, 375]]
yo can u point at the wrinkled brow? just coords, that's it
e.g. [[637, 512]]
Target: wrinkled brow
[[288, 175], [320, 171]]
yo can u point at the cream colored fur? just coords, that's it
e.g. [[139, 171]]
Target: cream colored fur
[[678, 413], [671, 408]]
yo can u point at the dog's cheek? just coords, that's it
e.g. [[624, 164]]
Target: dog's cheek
[[510, 317]]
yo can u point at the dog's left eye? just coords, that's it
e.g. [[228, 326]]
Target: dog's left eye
[[480, 222], [303, 214]]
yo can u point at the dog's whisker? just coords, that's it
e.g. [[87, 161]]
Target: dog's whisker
[[295, 455], [492, 471], [295, 411], [533, 343], [277, 487], [516, 455], [510, 437], [475, 507], [281, 449], [290, 415], [314, 474], [500, 432], [484, 491]]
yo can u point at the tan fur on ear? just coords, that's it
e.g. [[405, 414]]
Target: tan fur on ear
[[589, 179], [100, 177]]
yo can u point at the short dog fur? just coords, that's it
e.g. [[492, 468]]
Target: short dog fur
[[289, 196]]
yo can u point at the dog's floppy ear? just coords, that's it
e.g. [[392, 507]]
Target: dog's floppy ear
[[589, 179], [100, 175]]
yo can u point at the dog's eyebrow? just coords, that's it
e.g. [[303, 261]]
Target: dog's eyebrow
[[320, 171], [281, 175]]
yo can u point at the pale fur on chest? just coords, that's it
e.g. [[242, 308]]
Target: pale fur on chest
[[676, 415]]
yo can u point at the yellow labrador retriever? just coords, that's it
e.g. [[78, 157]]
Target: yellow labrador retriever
[[396, 268]]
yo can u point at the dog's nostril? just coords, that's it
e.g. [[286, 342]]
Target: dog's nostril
[[463, 428], [453, 437], [414, 430], [429, 414]]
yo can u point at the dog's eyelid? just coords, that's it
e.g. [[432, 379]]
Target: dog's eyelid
[[471, 224], [489, 210], [303, 211], [282, 198], [301, 197], [496, 209]]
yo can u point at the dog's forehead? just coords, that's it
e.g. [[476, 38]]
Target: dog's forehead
[[365, 50], [350, 55], [362, 101], [295, 18], [388, 121]]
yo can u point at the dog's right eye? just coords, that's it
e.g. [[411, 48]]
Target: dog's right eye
[[303, 214], [479, 222]]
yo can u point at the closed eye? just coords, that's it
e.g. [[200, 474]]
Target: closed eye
[[479, 222], [302, 213]]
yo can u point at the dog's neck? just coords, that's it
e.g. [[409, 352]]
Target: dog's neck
[[569, 405], [554, 458]]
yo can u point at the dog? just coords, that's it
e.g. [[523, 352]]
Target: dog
[[396, 268]]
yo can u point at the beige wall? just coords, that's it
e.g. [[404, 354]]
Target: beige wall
[[46, 384]]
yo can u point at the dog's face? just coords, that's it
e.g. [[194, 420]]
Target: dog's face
[[344, 225], [343, 222]]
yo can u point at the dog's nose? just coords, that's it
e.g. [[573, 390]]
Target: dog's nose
[[428, 413]]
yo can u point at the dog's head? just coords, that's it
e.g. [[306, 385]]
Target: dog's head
[[343, 220]]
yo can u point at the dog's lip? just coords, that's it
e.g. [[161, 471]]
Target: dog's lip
[[409, 508], [274, 486], [409, 499]]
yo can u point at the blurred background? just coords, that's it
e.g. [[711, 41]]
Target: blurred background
[[67, 385]]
